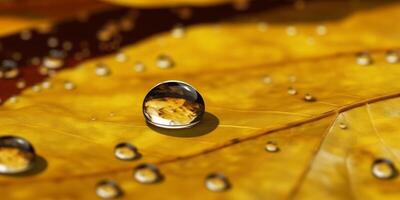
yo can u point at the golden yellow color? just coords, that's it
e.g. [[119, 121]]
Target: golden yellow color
[[243, 69]]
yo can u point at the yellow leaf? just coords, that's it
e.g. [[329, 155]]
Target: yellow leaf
[[257, 79]]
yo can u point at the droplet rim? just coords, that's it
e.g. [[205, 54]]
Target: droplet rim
[[388, 162], [23, 144]]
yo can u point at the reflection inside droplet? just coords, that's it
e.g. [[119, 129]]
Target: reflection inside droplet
[[173, 105]]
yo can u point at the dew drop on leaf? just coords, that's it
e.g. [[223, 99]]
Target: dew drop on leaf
[[383, 169], [147, 173], [126, 151], [9, 69], [164, 61], [102, 70], [17, 155], [217, 182], [292, 91], [173, 105], [309, 98], [108, 189], [363, 58], [271, 146], [392, 56]]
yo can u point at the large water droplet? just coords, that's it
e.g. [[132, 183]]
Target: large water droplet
[[147, 173], [108, 189], [217, 182], [271, 146], [164, 61], [126, 151], [173, 105], [9, 69], [363, 58], [16, 155], [383, 169]]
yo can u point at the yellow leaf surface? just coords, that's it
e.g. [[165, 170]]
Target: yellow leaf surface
[[75, 131]]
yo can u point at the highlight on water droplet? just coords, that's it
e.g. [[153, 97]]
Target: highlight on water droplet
[[108, 189], [217, 182], [17, 155], [173, 105], [126, 151], [383, 168], [271, 146], [147, 174], [363, 58]]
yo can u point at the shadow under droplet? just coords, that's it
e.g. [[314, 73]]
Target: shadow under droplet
[[205, 126], [39, 165]]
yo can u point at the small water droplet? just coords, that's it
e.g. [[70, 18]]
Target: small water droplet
[[55, 59], [291, 31], [271, 146], [16, 155], [342, 125], [102, 70], [383, 169], [35, 61], [36, 88], [9, 69], [164, 62], [126, 151], [121, 57], [178, 31], [392, 56], [25, 34], [13, 99], [46, 85], [21, 84], [321, 30], [217, 182], [173, 105], [262, 26], [292, 91], [68, 85], [267, 80], [309, 98], [147, 173], [139, 67], [108, 189], [67, 45], [363, 58], [52, 42]]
